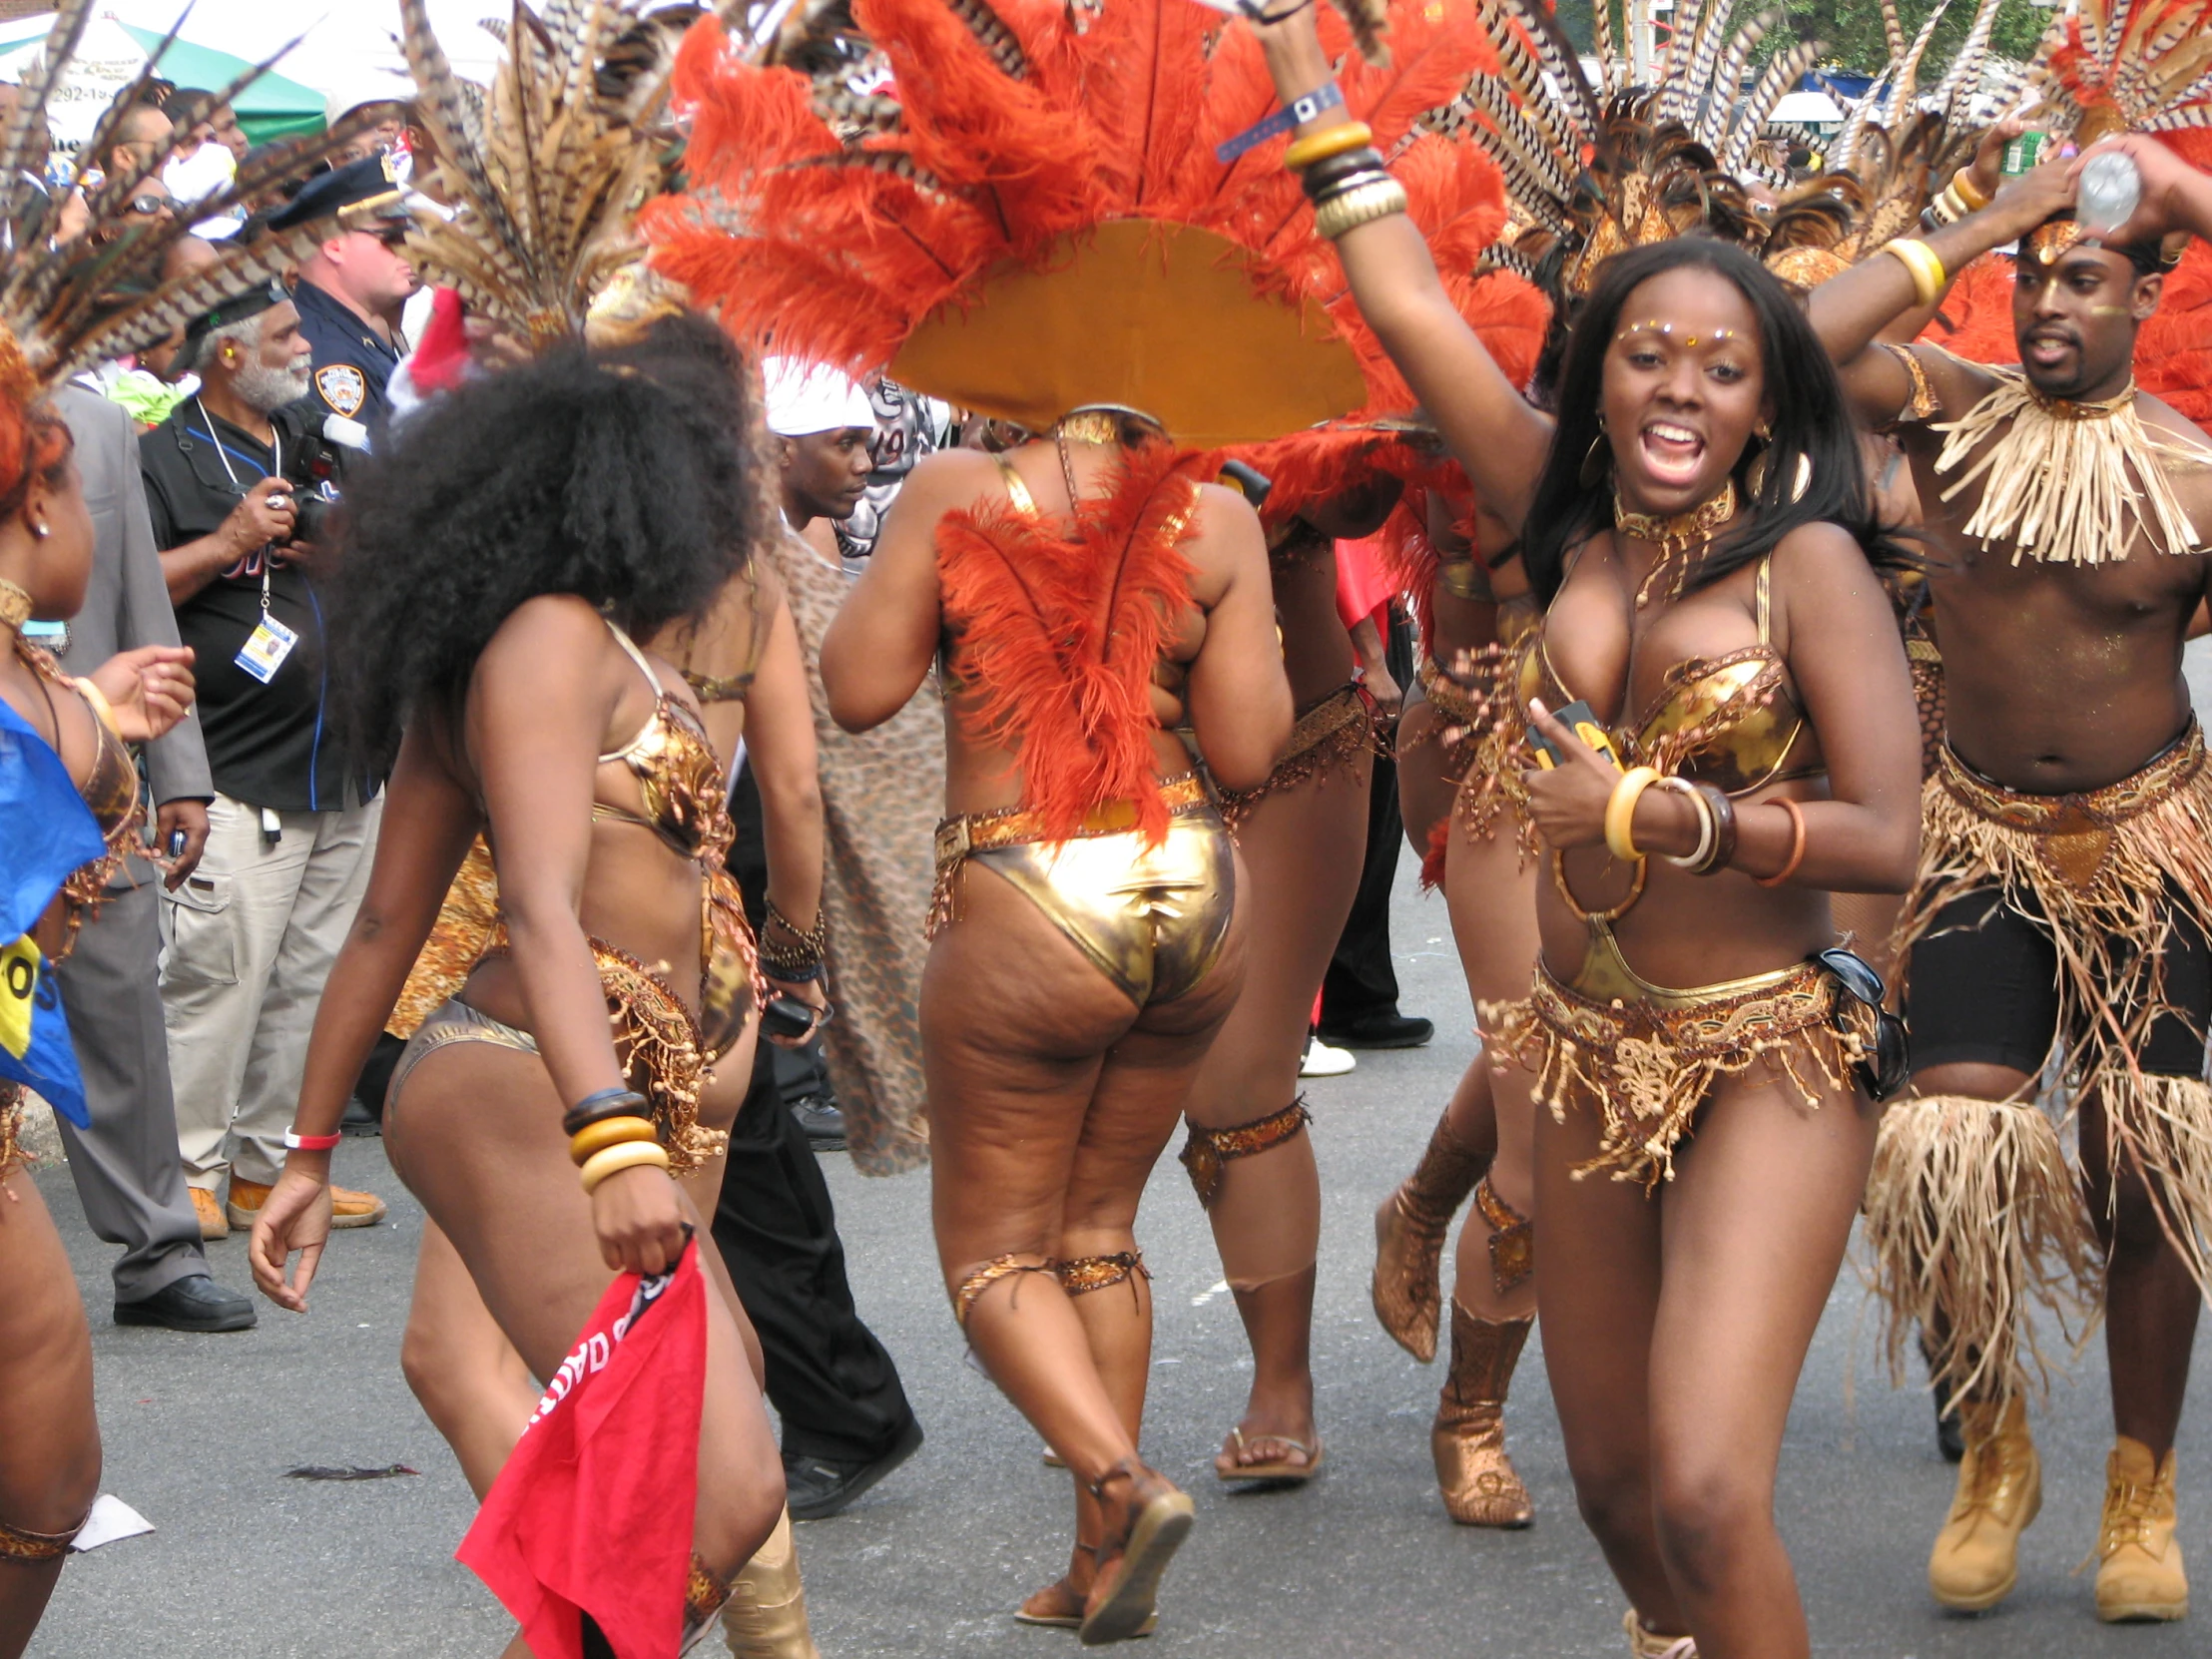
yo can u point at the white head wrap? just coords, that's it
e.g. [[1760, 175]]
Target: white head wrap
[[805, 398]]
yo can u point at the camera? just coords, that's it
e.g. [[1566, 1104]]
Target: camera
[[314, 467]]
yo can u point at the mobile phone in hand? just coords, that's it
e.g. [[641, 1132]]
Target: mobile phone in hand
[[1581, 719]]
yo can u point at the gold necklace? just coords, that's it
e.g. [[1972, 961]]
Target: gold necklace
[[15, 606], [1675, 537]]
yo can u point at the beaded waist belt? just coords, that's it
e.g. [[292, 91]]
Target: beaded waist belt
[[1451, 699], [1008, 826]]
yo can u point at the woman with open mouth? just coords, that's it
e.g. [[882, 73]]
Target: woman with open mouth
[[1721, 733]]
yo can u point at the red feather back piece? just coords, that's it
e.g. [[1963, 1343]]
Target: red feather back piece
[[1059, 634], [2173, 353]]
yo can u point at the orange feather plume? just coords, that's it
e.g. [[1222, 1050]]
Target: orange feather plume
[[1059, 634]]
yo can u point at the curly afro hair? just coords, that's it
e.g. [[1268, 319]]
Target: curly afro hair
[[624, 478]]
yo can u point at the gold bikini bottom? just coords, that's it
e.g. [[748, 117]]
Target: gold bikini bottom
[[1645, 1056], [1152, 920]]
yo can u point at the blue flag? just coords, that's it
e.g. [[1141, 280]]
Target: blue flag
[[46, 830]]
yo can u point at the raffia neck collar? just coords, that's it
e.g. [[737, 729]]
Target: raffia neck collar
[[2077, 408], [1677, 538]]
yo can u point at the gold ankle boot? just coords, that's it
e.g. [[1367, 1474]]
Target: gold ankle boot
[[1469, 1439], [2139, 1575], [766, 1615], [1649, 1644], [1410, 1232], [1975, 1561]]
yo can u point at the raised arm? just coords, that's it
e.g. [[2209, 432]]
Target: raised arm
[[881, 644], [1851, 311], [2177, 193], [1491, 427]]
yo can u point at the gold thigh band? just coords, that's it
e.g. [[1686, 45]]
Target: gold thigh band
[[1081, 1275], [1512, 1239], [1208, 1152]]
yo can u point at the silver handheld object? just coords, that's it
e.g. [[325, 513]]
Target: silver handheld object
[[2109, 192]]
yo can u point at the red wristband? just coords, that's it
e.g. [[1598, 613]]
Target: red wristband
[[310, 1143]]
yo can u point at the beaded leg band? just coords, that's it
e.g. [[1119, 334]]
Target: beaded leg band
[[1209, 1152], [984, 1278], [25, 1547], [704, 1595], [1512, 1239], [1081, 1275]]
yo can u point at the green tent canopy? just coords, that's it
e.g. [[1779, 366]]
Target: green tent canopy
[[272, 108]]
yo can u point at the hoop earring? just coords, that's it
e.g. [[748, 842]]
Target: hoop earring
[[1800, 483], [1596, 462]]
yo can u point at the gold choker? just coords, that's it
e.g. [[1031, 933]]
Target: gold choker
[[15, 606], [1089, 426], [1675, 537]]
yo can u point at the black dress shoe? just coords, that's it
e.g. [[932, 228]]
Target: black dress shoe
[[1385, 1029], [824, 1123], [192, 1302], [818, 1487]]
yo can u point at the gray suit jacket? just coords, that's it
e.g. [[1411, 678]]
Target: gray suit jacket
[[126, 602]]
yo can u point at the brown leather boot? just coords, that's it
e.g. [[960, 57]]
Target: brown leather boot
[[1469, 1439], [2139, 1575], [1410, 1232], [1975, 1561], [766, 1615]]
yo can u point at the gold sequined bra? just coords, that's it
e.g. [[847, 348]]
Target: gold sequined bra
[[686, 794]]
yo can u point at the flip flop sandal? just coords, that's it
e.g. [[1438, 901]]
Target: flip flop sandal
[[1058, 1607], [1280, 1471]]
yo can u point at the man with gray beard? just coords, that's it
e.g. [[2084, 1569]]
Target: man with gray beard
[[251, 933]]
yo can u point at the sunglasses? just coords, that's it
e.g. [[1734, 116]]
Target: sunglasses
[[1856, 979], [394, 239], [148, 206]]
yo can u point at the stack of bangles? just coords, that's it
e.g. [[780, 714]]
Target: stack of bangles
[[1922, 264], [1955, 201], [609, 1132], [791, 953], [1343, 177], [1716, 835]]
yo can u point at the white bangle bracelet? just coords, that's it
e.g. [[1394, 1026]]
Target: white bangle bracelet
[[1706, 829]]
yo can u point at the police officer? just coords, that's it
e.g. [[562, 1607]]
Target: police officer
[[352, 288]]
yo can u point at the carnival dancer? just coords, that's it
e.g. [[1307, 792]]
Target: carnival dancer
[[95, 292], [2065, 882], [1089, 591], [1728, 601]]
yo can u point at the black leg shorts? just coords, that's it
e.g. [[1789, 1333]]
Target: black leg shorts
[[1983, 990]]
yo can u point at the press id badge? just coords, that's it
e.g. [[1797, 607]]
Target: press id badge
[[266, 649]]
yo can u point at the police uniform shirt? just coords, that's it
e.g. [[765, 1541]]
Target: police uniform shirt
[[352, 363], [268, 745]]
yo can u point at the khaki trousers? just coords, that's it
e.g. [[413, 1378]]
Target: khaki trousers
[[248, 940]]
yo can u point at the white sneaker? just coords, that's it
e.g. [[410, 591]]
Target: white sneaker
[[1323, 1061]]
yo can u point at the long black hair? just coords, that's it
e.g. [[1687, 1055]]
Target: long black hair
[[1810, 421], [624, 478]]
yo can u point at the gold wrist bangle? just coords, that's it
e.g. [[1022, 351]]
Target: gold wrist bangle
[[1963, 187], [1329, 141], [92, 695], [1361, 205], [614, 1160], [1620, 811], [596, 1137], [1920, 263]]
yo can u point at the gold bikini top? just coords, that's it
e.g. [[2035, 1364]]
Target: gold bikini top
[[730, 688], [686, 794], [1729, 721]]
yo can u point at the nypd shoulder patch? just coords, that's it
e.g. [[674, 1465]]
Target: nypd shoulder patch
[[343, 388]]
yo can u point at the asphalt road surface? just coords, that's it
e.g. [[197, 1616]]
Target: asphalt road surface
[[245, 1563]]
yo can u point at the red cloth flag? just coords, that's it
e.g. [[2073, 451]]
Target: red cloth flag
[[593, 1512]]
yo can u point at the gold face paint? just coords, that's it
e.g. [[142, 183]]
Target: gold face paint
[[1654, 327]]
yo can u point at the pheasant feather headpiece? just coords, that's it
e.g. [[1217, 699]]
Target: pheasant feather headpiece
[[1594, 167], [546, 171], [2117, 65], [69, 302], [1035, 220]]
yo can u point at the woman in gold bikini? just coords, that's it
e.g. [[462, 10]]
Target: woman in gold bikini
[[1697, 522], [1088, 944], [619, 973]]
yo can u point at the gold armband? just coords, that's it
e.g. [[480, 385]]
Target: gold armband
[[1620, 811], [1922, 264]]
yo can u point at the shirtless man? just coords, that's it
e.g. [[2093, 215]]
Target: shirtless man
[[2066, 871]]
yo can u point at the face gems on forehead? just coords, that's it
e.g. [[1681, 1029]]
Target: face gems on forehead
[[1652, 326]]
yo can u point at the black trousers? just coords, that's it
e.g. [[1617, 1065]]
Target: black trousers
[[1360, 980], [830, 1379]]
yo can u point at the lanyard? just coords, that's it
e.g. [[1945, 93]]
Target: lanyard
[[222, 454]]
